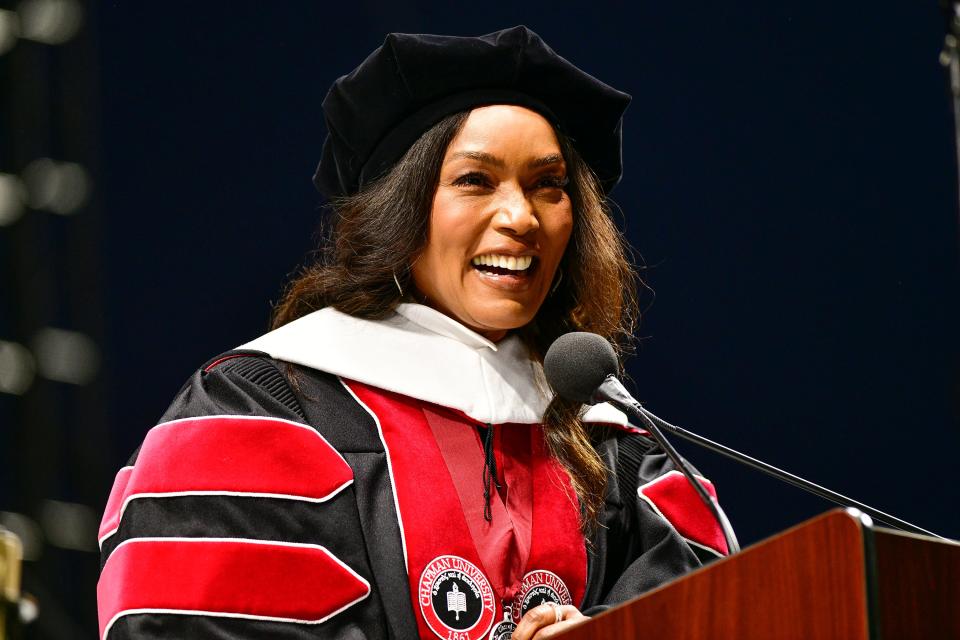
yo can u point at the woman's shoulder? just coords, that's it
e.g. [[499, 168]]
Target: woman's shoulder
[[235, 478], [237, 382], [644, 480], [243, 424]]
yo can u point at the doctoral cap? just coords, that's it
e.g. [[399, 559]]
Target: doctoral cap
[[411, 82]]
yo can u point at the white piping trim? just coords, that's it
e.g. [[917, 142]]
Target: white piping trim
[[245, 616], [694, 543], [393, 484], [656, 510], [174, 494], [239, 494], [130, 468]]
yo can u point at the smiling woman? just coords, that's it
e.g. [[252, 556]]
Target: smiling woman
[[389, 461], [499, 224]]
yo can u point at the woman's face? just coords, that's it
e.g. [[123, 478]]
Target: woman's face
[[500, 221]]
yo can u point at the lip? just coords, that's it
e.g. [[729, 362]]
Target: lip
[[512, 283], [508, 282]]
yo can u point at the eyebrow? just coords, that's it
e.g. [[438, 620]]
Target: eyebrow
[[488, 158]]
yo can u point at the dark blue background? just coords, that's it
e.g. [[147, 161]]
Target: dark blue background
[[789, 183]]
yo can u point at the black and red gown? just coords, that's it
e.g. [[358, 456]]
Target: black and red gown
[[347, 478]]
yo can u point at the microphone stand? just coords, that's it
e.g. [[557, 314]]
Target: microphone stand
[[785, 476], [950, 58], [613, 391]]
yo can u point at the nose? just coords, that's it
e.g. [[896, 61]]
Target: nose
[[515, 214]]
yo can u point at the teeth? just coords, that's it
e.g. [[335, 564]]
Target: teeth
[[512, 263]]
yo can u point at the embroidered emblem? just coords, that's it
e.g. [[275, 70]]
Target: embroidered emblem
[[538, 587], [456, 599], [504, 629]]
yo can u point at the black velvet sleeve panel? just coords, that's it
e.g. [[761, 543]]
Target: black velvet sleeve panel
[[237, 383], [633, 549], [251, 384]]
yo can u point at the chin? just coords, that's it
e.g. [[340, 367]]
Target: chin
[[503, 315]]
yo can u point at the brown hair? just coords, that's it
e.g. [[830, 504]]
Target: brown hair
[[376, 235]]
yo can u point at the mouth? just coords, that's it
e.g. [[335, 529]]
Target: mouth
[[505, 271]]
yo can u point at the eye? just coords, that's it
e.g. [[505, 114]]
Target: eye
[[472, 179], [554, 181]]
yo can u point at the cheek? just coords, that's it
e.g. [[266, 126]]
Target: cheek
[[560, 230], [448, 241], [456, 228]]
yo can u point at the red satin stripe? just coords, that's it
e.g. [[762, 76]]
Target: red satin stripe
[[228, 577], [504, 543], [558, 544], [230, 454], [677, 501], [433, 510], [430, 513]]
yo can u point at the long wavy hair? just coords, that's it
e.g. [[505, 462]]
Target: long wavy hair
[[374, 236]]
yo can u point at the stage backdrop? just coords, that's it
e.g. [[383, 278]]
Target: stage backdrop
[[789, 186]]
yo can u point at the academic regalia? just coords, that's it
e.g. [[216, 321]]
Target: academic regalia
[[348, 478]]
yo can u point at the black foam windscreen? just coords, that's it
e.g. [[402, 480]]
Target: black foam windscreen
[[577, 363]]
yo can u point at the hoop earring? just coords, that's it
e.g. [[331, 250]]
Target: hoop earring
[[399, 288], [557, 281]]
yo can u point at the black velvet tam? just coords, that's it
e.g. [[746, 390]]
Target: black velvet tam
[[413, 81]]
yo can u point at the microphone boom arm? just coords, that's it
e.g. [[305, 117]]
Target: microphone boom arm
[[613, 391], [785, 476]]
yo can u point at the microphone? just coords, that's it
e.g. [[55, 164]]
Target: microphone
[[582, 367]]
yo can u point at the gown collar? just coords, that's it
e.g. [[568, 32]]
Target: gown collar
[[443, 325], [424, 354]]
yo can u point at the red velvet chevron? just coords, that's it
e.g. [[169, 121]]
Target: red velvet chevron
[[229, 455], [673, 498], [225, 577], [111, 514]]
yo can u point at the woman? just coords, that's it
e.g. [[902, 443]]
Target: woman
[[388, 462]]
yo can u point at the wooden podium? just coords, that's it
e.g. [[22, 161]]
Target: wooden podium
[[834, 576]]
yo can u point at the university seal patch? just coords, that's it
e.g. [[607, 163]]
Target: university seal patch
[[456, 599], [503, 630], [538, 587]]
